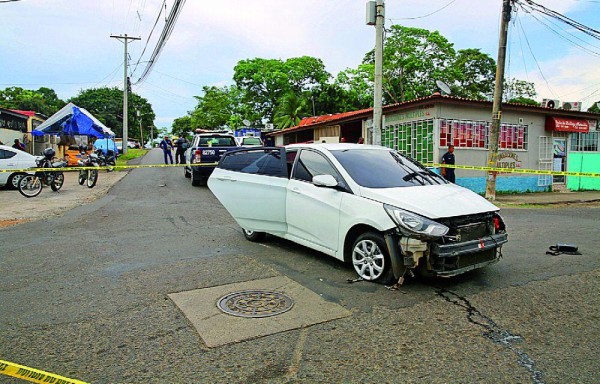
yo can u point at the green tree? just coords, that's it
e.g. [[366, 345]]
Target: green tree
[[515, 89], [413, 59], [357, 86], [289, 111], [182, 126], [44, 100], [106, 104], [595, 108], [264, 82], [474, 73]]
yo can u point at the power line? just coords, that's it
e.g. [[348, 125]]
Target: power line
[[427, 15], [168, 28], [149, 36]]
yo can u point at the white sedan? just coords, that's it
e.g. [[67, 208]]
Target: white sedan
[[366, 205], [11, 158]]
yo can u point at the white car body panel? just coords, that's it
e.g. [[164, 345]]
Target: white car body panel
[[256, 202], [432, 201], [20, 160]]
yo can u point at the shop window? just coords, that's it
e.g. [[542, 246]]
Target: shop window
[[475, 134], [585, 142]]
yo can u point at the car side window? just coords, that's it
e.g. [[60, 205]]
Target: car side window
[[4, 154], [260, 162], [310, 164]]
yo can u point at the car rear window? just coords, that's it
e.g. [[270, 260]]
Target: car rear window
[[373, 168], [251, 141], [261, 162], [217, 142]]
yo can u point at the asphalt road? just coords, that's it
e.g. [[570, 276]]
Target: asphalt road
[[84, 295]]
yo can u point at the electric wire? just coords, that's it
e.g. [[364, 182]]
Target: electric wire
[[166, 33], [536, 62], [149, 37], [427, 15]]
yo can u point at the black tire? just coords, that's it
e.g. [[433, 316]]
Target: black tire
[[92, 178], [186, 174], [14, 179], [57, 183], [30, 186], [371, 259], [82, 177], [253, 236], [197, 180]]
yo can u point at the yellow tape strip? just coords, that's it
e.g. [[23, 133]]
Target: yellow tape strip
[[113, 167], [515, 170], [34, 375]]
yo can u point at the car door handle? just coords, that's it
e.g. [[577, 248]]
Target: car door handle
[[226, 178], [296, 190], [12, 164]]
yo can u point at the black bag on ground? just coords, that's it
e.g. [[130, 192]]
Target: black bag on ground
[[566, 249]]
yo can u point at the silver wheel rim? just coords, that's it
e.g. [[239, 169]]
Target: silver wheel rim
[[367, 259], [16, 180]]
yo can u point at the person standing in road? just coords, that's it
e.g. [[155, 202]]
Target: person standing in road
[[449, 159], [167, 146], [182, 145]]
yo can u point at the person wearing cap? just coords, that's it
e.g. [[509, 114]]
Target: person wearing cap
[[167, 146]]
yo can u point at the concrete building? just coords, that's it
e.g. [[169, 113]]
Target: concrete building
[[531, 137]]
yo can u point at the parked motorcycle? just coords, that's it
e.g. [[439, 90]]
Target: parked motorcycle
[[31, 185], [108, 159], [89, 175]]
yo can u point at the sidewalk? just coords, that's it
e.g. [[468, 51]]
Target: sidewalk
[[540, 198]]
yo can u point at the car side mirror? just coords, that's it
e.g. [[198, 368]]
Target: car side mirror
[[326, 181]]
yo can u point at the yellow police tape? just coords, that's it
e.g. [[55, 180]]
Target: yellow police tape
[[468, 167], [515, 170], [34, 375]]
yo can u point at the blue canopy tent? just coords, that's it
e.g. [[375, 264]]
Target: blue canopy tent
[[72, 120]]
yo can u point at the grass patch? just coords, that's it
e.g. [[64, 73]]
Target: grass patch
[[132, 153]]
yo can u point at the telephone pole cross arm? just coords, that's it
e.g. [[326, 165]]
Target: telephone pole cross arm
[[124, 39]]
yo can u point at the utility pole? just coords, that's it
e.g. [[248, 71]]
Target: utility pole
[[490, 186], [377, 102], [139, 114], [124, 39]]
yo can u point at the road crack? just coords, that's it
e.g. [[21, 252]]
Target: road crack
[[493, 331]]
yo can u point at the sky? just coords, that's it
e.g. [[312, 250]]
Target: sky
[[65, 44]]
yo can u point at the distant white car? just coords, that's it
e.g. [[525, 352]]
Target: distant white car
[[384, 213], [249, 141], [11, 158]]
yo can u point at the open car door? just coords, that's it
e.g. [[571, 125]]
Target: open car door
[[252, 184]]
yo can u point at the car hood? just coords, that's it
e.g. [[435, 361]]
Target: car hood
[[432, 201]]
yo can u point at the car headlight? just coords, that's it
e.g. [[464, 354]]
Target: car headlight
[[413, 224]]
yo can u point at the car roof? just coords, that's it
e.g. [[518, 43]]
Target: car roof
[[20, 152], [337, 146]]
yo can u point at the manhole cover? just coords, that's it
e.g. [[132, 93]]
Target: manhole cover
[[255, 303]]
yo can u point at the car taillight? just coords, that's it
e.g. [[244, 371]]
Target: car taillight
[[197, 156], [499, 225], [496, 223]]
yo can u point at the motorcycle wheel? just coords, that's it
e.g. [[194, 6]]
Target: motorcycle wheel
[[82, 177], [30, 186], [92, 178], [57, 183]]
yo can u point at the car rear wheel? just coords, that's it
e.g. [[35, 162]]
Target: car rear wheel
[[14, 180], [370, 258], [186, 173], [253, 236], [197, 180]]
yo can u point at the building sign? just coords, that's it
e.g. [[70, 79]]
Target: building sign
[[508, 160], [567, 125], [417, 114], [10, 121]]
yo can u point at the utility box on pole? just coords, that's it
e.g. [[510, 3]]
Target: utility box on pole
[[371, 12]]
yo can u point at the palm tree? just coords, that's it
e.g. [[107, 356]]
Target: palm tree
[[288, 111]]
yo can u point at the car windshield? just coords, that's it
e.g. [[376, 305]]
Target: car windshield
[[373, 168]]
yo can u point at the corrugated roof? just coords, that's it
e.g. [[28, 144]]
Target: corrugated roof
[[316, 121], [26, 113]]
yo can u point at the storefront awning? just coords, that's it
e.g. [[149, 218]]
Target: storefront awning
[[566, 125]]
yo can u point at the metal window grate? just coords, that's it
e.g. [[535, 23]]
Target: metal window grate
[[585, 142], [545, 160], [412, 138], [475, 134]]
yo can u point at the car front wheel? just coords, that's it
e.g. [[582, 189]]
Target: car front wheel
[[370, 258], [253, 236]]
